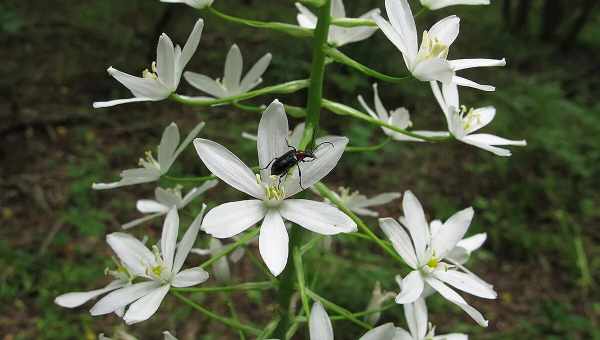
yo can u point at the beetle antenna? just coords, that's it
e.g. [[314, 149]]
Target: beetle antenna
[[316, 147]]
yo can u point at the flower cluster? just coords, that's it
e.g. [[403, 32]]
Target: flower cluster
[[290, 161]]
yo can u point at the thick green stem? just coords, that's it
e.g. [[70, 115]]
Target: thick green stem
[[317, 74]]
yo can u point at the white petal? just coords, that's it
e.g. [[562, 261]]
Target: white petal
[[168, 145], [317, 217], [109, 103], [416, 317], [272, 136], [168, 335], [167, 198], [402, 20], [123, 297], [233, 69], [379, 108], [191, 45], [296, 136], [221, 266], [327, 157], [165, 61], [228, 167], [483, 116], [485, 138], [469, 83], [319, 325], [451, 336], [401, 334], [394, 36], [190, 277], [386, 331], [493, 149], [416, 223], [434, 69], [273, 242], [451, 232], [461, 64], [188, 139], [456, 299], [306, 18], [412, 287], [132, 253], [337, 9], [380, 199], [400, 240], [141, 87], [472, 243], [205, 84], [187, 241], [197, 191], [446, 30], [168, 239], [140, 220], [76, 299], [146, 306], [252, 78], [466, 283], [151, 206], [230, 219], [437, 4]]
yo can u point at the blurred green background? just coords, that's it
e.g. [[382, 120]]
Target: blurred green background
[[540, 207]]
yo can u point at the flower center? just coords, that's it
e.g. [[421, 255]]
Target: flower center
[[431, 47], [158, 271], [120, 273], [469, 117], [151, 74], [433, 263], [274, 190], [149, 161]]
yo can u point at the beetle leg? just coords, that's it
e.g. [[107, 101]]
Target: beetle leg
[[300, 175], [279, 181], [290, 146]]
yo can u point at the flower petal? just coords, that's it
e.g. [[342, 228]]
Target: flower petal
[[273, 242], [123, 297], [327, 157], [76, 299], [456, 299], [191, 45], [445, 30], [437, 4], [190, 277], [451, 232], [109, 103], [187, 241], [395, 37], [228, 167], [233, 70], [380, 199], [319, 324], [466, 283], [188, 139], [197, 191], [472, 243], [168, 145], [132, 253], [141, 220], [469, 83], [451, 336], [305, 18], [416, 223], [205, 84], [317, 217], [141, 87], [146, 306], [434, 69], [168, 335], [230, 219], [221, 266], [416, 317], [461, 64], [272, 140], [412, 287], [252, 78], [484, 115], [165, 61], [402, 20], [387, 331], [400, 240], [151, 206], [168, 239]]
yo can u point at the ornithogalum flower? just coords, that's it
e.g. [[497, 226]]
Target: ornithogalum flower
[[437, 4], [359, 203], [221, 269], [164, 200], [160, 267], [150, 168], [426, 252], [429, 61], [163, 78], [462, 122], [125, 336], [338, 36], [271, 193], [232, 84], [400, 118], [198, 4], [419, 327]]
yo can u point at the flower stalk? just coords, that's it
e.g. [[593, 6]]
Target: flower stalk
[[341, 58], [292, 30]]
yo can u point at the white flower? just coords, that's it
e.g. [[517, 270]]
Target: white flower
[[232, 84], [161, 266], [338, 36], [151, 169], [429, 61], [272, 194], [461, 253], [221, 269], [462, 122], [400, 117], [437, 4], [359, 203], [124, 336], [417, 320], [293, 138], [165, 199], [425, 253], [163, 79], [199, 4]]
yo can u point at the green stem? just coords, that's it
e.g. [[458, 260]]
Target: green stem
[[358, 314], [293, 30], [227, 321], [189, 179], [317, 75], [233, 312], [345, 110], [300, 278], [233, 288], [325, 192], [269, 329], [230, 248], [338, 309], [367, 148], [310, 244], [284, 88], [346, 60]]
